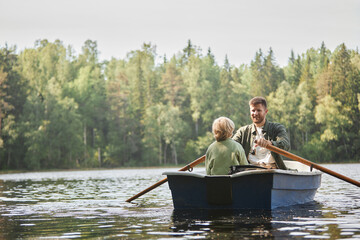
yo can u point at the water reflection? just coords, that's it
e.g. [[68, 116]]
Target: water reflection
[[91, 204], [241, 223], [222, 223]]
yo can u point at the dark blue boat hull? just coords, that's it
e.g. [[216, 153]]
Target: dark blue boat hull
[[258, 189]]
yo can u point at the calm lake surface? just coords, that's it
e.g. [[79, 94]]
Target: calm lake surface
[[91, 204]]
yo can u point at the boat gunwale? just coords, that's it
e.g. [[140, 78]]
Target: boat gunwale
[[245, 173]]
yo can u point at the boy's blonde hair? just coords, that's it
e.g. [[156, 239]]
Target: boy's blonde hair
[[222, 128]]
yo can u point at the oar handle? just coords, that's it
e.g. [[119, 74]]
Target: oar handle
[[311, 164], [185, 168]]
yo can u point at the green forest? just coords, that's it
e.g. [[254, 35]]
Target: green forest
[[61, 110]]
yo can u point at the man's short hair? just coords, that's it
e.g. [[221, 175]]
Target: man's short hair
[[258, 100]]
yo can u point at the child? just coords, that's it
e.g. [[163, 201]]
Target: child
[[224, 152]]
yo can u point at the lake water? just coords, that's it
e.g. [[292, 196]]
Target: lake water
[[91, 204]]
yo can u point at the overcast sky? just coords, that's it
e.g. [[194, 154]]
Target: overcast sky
[[237, 28]]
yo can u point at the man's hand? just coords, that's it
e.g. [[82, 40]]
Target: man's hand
[[262, 142]]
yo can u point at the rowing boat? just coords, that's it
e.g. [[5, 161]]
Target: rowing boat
[[250, 189]]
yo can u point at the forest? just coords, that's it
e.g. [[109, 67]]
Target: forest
[[61, 110]]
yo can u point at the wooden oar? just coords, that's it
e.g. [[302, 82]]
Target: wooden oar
[[187, 167], [311, 164]]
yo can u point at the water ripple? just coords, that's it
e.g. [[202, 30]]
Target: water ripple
[[91, 204]]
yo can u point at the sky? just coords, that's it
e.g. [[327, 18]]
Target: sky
[[236, 28]]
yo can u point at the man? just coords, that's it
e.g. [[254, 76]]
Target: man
[[265, 133]]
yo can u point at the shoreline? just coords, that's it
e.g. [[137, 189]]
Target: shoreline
[[119, 168]]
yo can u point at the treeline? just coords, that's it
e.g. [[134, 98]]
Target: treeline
[[64, 110]]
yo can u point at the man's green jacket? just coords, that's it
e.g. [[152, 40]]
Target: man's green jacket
[[274, 132]]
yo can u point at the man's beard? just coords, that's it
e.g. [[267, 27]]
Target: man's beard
[[257, 119]]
